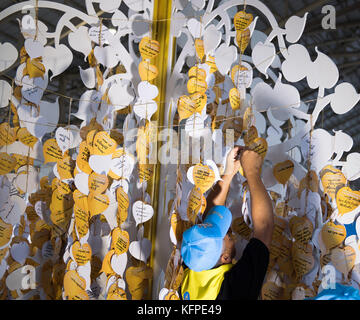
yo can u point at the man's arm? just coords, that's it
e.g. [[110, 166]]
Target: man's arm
[[218, 194], [261, 205]]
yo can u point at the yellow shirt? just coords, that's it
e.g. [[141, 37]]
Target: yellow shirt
[[203, 285]]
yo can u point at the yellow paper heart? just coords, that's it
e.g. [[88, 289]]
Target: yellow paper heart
[[98, 183], [120, 241], [35, 68], [197, 73], [106, 263], [243, 39], [310, 181], [235, 98], [136, 279], [81, 253], [65, 167], [204, 177], [301, 229], [7, 163], [343, 259], [331, 181], [81, 220], [242, 20], [332, 234], [51, 151], [82, 160], [98, 203], [5, 232], [250, 135], [26, 137], [147, 71], [7, 134], [146, 171], [200, 100], [302, 257], [149, 48], [178, 226], [199, 48], [283, 170], [210, 61], [74, 285], [195, 203], [259, 145], [270, 291], [186, 107], [196, 85], [347, 200], [103, 144], [116, 293], [240, 227]]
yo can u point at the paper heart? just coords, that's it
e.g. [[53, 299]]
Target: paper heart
[[74, 285], [263, 55], [147, 71], [283, 170], [98, 183], [250, 135], [121, 94], [33, 89], [103, 144], [197, 72], [146, 171], [7, 134], [145, 108], [343, 259], [140, 250], [239, 226], [195, 27], [224, 57], [242, 20], [199, 49], [100, 164], [82, 216], [186, 107], [303, 260], [99, 34], [149, 48], [147, 91], [106, 56], [80, 40], [331, 181], [196, 203], [81, 181], [9, 54], [82, 160], [270, 291], [34, 69], [259, 145], [26, 137], [142, 212], [203, 177], [243, 39], [7, 163], [27, 180], [301, 228], [120, 241], [5, 235], [118, 263], [212, 38], [20, 251], [242, 75], [122, 166], [235, 98], [57, 59], [109, 5], [64, 138], [347, 200], [98, 203], [196, 85], [33, 48], [332, 234], [65, 167], [88, 77], [81, 253]]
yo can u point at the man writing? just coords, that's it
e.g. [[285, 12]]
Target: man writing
[[208, 248]]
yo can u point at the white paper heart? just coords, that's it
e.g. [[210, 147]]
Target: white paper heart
[[20, 251], [263, 56], [142, 212], [64, 138], [118, 263], [121, 94], [8, 55], [29, 181], [33, 48], [145, 108], [123, 166], [57, 59], [212, 38], [100, 164], [80, 41], [196, 28], [147, 91], [109, 5], [224, 57], [106, 56], [89, 102], [81, 181], [140, 250], [5, 93], [33, 88], [88, 77], [94, 34]]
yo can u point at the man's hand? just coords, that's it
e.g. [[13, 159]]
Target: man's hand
[[251, 162], [233, 162]]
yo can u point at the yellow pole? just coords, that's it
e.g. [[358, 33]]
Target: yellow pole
[[161, 33]]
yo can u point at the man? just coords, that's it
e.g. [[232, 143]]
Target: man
[[208, 248]]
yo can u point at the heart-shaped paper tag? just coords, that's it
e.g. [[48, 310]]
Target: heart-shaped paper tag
[[283, 170], [331, 181], [7, 163], [301, 228], [103, 144], [343, 259], [332, 234], [242, 20], [347, 200], [203, 177], [149, 48], [81, 253], [142, 212], [51, 150], [98, 203], [98, 183], [120, 241], [303, 260]]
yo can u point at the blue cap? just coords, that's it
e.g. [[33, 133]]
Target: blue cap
[[340, 292], [202, 244]]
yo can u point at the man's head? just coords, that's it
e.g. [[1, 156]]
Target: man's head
[[209, 244]]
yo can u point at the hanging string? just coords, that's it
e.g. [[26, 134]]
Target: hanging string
[[36, 19]]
